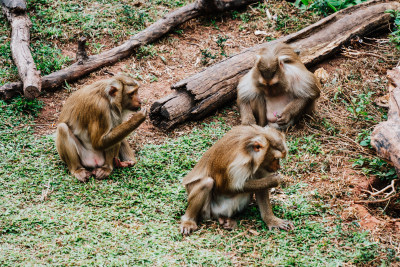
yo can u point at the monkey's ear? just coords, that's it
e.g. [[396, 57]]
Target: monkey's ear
[[112, 91], [284, 60], [113, 88]]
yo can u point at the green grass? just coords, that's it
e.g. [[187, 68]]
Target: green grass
[[394, 36], [326, 7], [132, 218]]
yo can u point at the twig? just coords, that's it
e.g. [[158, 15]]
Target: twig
[[46, 193], [375, 201], [355, 54], [383, 190]]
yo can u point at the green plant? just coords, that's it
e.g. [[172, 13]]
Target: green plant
[[147, 51], [48, 58], [206, 55], [359, 106], [326, 7], [375, 166], [394, 36], [221, 44]]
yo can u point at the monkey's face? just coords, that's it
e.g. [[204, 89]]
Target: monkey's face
[[273, 165], [276, 149], [269, 69], [132, 100]]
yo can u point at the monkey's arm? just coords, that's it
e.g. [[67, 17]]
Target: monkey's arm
[[271, 180], [246, 113], [293, 109], [118, 133]]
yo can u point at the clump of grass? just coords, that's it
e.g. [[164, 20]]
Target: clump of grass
[[206, 55], [394, 36], [48, 58], [147, 51], [326, 7]]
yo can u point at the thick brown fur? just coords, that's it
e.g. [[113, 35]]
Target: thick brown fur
[[243, 162], [92, 127], [278, 90]]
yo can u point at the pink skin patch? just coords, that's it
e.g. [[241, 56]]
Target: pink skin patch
[[275, 114]]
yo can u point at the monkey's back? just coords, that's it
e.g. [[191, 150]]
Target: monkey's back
[[216, 160], [85, 106]]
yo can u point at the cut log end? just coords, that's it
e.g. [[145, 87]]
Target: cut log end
[[31, 92]]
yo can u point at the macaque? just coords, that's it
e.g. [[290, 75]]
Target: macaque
[[278, 90], [93, 125], [223, 182]]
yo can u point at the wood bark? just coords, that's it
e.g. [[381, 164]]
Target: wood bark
[[109, 57], [198, 95], [386, 136], [15, 5], [15, 11]]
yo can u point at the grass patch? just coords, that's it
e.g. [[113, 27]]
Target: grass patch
[[326, 7], [132, 218]]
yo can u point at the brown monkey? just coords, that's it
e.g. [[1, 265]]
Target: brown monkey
[[92, 127], [278, 89], [222, 183]]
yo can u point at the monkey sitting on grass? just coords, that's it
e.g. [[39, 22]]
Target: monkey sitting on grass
[[222, 183], [92, 129]]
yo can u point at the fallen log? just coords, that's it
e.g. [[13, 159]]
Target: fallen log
[[15, 11], [86, 65], [200, 94], [386, 136]]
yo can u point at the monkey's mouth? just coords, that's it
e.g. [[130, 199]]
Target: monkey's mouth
[[135, 109], [274, 166]]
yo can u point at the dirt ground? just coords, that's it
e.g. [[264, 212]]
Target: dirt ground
[[179, 56]]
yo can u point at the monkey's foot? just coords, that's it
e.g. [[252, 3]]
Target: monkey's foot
[[123, 164], [279, 223], [102, 173], [227, 223], [82, 174], [188, 227]]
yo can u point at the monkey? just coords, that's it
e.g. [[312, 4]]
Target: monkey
[[93, 125], [278, 89], [244, 161]]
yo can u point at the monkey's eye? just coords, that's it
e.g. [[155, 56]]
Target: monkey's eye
[[257, 147]]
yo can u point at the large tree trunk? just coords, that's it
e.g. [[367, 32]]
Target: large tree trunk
[[15, 11], [202, 93], [85, 66], [386, 136]]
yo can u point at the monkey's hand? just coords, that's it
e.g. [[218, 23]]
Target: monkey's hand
[[276, 179], [137, 118], [141, 114], [274, 222], [283, 118], [187, 227], [143, 111]]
